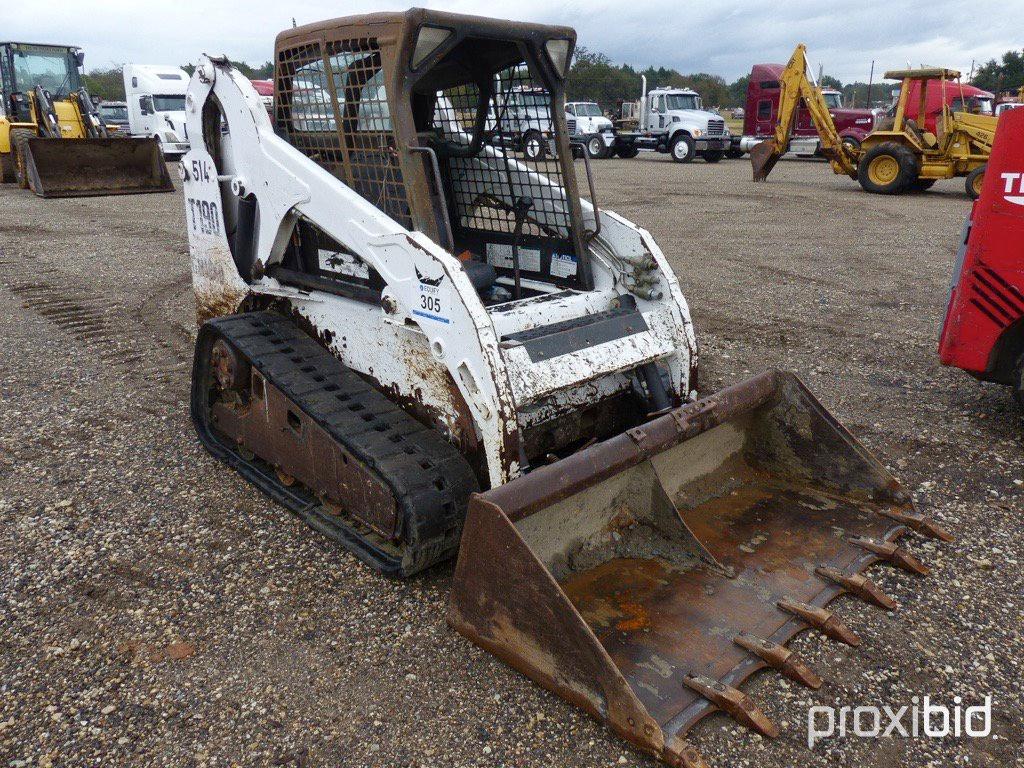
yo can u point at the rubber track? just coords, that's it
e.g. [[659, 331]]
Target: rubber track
[[429, 478]]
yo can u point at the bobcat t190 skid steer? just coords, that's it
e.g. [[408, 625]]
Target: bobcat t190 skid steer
[[412, 336]]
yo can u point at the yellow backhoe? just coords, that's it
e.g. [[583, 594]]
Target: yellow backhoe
[[897, 159], [52, 139]]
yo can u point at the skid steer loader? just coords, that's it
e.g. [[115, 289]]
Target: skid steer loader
[[52, 139], [401, 318]]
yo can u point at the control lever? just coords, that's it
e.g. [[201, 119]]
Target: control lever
[[521, 208]]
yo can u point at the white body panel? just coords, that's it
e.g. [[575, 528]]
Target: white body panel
[[432, 342], [155, 96]]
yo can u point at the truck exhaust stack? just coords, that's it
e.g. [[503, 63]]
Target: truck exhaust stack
[[646, 577]]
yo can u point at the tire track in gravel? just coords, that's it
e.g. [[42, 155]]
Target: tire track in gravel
[[136, 342]]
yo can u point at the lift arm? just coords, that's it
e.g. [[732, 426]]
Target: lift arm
[[795, 84]]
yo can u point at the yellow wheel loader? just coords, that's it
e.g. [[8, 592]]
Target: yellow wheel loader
[[902, 157], [426, 342], [52, 139]]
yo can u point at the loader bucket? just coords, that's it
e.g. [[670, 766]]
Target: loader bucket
[[646, 577], [91, 167], [763, 157]]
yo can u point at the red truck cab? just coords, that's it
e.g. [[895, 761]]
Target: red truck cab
[[265, 88], [983, 332], [762, 112], [960, 97]]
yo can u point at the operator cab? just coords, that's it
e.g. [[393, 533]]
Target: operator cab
[[23, 66], [408, 108]]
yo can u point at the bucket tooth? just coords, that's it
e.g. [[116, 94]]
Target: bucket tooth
[[892, 553], [922, 524], [859, 585], [680, 753], [734, 703], [824, 621], [779, 658]]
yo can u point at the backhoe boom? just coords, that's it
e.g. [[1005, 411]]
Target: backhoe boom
[[795, 84]]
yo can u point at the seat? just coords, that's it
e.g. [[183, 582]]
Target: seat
[[481, 274]]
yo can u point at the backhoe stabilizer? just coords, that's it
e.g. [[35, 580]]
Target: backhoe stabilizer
[[95, 166], [648, 576]]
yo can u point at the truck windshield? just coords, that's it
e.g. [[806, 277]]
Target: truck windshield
[[833, 100], [48, 66], [976, 105], [539, 100], [174, 103], [682, 101], [114, 112], [588, 110]]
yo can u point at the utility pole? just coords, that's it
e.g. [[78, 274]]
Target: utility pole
[[871, 78]]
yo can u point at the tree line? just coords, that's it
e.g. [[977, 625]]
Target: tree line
[[1001, 76], [593, 77], [108, 84]]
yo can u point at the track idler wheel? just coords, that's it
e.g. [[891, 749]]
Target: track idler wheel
[[229, 368]]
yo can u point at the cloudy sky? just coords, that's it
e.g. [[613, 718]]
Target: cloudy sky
[[722, 37]]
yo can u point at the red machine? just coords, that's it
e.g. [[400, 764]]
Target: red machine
[[984, 328]]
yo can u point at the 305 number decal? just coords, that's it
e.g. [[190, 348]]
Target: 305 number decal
[[430, 303]]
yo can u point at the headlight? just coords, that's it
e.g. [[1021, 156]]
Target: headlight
[[697, 132]]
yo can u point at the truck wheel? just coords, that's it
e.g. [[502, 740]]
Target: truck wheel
[[714, 155], [627, 151], [734, 153], [19, 148], [595, 148], [534, 146], [682, 148], [887, 169], [851, 143], [974, 181]]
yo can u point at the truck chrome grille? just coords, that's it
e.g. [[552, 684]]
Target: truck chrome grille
[[570, 123], [716, 127]]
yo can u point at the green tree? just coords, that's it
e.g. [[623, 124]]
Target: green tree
[[105, 84], [738, 91], [263, 72], [1005, 75]]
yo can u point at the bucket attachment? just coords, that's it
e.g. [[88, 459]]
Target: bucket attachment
[[91, 167], [763, 157], [646, 577]]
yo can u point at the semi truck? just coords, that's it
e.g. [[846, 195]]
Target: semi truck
[[762, 112], [589, 129], [671, 120], [156, 105]]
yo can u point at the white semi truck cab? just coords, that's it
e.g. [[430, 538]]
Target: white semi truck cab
[[589, 128], [673, 120], [156, 105]]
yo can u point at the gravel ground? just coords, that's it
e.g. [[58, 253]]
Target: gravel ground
[[155, 610]]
